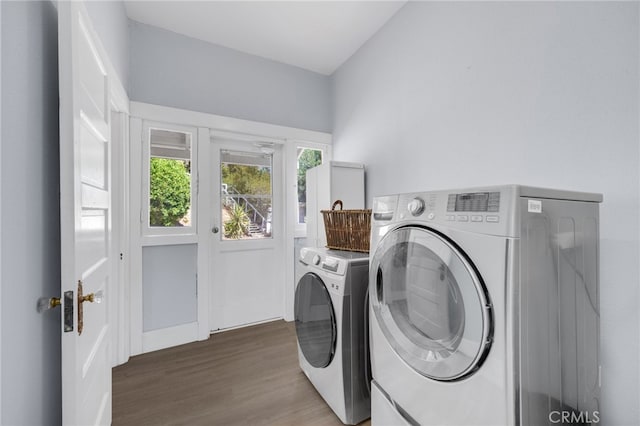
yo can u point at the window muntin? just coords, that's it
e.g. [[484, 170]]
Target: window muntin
[[246, 195], [307, 158], [170, 190]]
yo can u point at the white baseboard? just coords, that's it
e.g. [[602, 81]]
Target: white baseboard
[[169, 337]]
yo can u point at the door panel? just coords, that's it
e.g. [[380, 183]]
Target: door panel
[[85, 219]]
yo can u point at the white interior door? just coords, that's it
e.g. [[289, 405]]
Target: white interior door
[[85, 220], [247, 265]]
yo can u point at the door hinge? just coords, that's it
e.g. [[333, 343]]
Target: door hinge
[[141, 216]]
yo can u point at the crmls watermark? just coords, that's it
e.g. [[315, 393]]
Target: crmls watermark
[[574, 417]]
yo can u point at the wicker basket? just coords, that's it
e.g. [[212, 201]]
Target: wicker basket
[[347, 229]]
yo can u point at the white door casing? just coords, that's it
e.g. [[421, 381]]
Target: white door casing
[[85, 205], [211, 127]]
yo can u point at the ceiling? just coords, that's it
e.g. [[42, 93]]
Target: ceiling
[[314, 35]]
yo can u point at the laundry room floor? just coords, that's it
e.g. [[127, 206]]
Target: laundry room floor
[[247, 376]]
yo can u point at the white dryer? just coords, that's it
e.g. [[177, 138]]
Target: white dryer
[[330, 310], [484, 307]]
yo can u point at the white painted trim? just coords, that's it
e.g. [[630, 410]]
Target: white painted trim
[[205, 192], [1, 225], [294, 232], [228, 124], [168, 337], [167, 240], [301, 229], [219, 134], [138, 217], [135, 245], [147, 125], [219, 127], [119, 102], [120, 253]]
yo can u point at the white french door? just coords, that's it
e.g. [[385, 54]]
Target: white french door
[[247, 264], [85, 203]]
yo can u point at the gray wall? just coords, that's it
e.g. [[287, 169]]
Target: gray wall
[[30, 214], [464, 94], [169, 276], [109, 19], [177, 71]]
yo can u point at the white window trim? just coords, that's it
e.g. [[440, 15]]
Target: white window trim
[[153, 235], [301, 228], [209, 124]]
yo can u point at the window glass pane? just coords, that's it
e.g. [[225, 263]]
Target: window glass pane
[[315, 321], [429, 303], [307, 159], [246, 195], [169, 179]]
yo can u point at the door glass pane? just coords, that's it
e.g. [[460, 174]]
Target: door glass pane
[[246, 195], [307, 159], [169, 178], [430, 304], [423, 297], [315, 321]]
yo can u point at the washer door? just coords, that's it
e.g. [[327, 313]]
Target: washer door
[[430, 303], [315, 321]]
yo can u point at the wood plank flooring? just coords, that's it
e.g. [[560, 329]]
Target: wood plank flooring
[[248, 376]]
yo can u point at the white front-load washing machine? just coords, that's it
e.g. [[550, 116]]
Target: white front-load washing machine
[[484, 307], [330, 309]]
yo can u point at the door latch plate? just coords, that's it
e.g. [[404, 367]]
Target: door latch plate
[[68, 311]]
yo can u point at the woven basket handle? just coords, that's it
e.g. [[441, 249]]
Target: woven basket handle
[[336, 203]]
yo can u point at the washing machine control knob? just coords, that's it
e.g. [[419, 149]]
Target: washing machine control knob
[[316, 259], [416, 206]]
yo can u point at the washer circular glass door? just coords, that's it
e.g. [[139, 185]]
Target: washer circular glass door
[[315, 321], [430, 303]]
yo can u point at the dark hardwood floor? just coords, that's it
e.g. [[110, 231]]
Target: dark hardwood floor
[[248, 376]]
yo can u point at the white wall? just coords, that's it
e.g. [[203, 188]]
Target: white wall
[[544, 93], [181, 72], [109, 19], [30, 214]]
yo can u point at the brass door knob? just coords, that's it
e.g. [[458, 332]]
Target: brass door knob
[[47, 303], [91, 297]]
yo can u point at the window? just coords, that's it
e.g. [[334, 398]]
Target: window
[[170, 174], [307, 159], [246, 194]]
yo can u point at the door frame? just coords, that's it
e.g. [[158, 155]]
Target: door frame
[[1, 288], [206, 124], [119, 312], [142, 341]]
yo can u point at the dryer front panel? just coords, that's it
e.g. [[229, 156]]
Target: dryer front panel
[[315, 321], [430, 303]]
